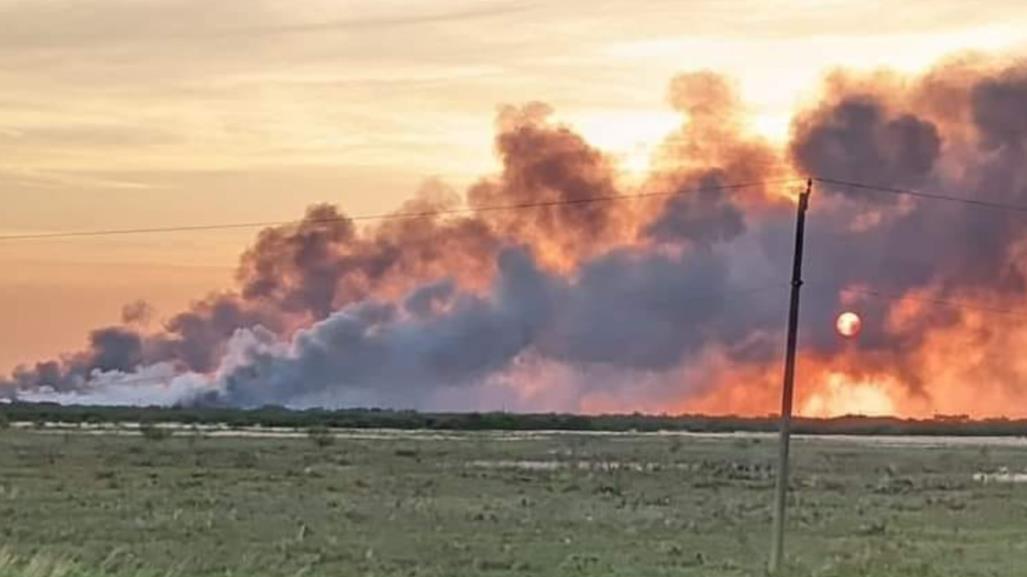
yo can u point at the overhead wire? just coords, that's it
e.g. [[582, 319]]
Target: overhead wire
[[961, 304], [921, 194], [396, 215], [578, 202]]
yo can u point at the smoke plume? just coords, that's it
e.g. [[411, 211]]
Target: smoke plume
[[573, 288]]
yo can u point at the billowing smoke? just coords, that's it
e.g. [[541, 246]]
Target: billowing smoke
[[663, 295]]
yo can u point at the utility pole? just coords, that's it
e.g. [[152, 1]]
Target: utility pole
[[781, 486]]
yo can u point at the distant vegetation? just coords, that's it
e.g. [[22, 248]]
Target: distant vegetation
[[319, 419]]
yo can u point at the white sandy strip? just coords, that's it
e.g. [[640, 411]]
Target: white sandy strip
[[1001, 476], [222, 430]]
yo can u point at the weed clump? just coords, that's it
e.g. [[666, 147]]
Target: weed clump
[[152, 432], [321, 436]]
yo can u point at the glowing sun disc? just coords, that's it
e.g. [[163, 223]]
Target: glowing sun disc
[[848, 324]]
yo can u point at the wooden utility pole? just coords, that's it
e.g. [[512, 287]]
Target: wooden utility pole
[[781, 486]]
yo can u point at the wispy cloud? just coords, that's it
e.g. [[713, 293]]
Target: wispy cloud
[[364, 24], [76, 24]]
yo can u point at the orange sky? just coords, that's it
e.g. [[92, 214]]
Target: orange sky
[[142, 113]]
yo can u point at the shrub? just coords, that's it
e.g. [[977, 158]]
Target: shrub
[[321, 436], [152, 432]]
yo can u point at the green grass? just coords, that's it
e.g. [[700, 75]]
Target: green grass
[[76, 504], [41, 565]]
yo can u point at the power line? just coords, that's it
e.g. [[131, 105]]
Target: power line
[[394, 215], [943, 302], [926, 195], [509, 207], [932, 301]]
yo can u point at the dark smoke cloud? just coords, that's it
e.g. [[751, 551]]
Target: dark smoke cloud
[[998, 110], [700, 162], [859, 137], [115, 349], [195, 339], [641, 294], [546, 163], [110, 349], [137, 312], [701, 213], [300, 269], [374, 345]]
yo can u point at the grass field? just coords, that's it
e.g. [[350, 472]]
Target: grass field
[[452, 504]]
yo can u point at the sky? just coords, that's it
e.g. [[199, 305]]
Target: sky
[[149, 113]]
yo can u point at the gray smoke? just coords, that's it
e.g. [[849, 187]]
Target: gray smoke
[[706, 216], [443, 338], [377, 345]]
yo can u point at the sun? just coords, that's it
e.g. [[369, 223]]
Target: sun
[[848, 324]]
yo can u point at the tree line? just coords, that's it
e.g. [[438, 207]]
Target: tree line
[[276, 416]]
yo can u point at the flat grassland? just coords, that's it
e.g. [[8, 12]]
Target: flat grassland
[[499, 504]]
